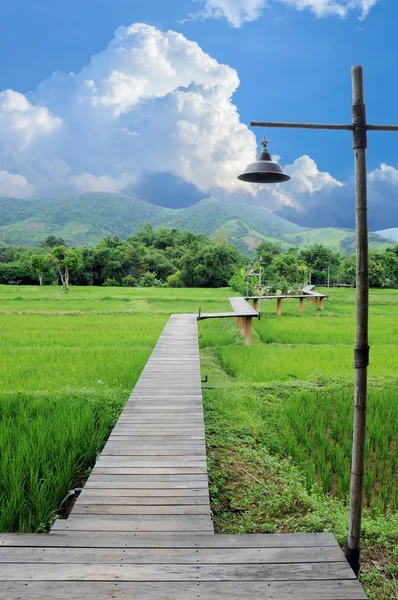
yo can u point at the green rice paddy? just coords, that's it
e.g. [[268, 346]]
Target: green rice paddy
[[279, 411]]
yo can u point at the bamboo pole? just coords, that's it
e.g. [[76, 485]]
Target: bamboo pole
[[361, 352], [359, 128]]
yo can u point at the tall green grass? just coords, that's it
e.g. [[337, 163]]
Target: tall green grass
[[315, 363], [46, 443], [68, 362], [317, 433]]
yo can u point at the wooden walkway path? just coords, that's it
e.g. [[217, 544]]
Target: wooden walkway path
[[142, 529], [240, 307]]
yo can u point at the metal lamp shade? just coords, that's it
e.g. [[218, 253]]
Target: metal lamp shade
[[264, 170]]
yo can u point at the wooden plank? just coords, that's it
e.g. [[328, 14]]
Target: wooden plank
[[255, 590], [151, 461], [175, 572], [81, 508], [149, 500], [112, 482], [239, 556], [95, 539], [160, 438], [133, 523], [127, 451], [150, 471]]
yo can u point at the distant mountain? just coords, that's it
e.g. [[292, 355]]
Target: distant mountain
[[86, 218], [389, 234], [342, 240]]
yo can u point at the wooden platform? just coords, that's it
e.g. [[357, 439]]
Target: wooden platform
[[142, 528], [240, 309]]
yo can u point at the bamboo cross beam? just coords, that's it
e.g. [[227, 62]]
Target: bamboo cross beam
[[324, 126]]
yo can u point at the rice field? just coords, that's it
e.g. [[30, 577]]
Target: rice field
[[68, 362], [294, 390]]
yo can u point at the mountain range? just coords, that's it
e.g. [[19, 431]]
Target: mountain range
[[86, 218]]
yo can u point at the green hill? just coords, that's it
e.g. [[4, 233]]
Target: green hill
[[342, 240], [86, 218]]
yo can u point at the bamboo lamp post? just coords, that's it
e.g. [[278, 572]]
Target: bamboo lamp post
[[264, 170]]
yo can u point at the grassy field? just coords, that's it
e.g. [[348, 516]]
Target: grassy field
[[278, 423], [68, 362], [279, 426]]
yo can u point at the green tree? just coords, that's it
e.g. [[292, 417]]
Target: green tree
[[318, 258], [65, 261], [287, 267], [40, 264], [210, 266], [267, 251], [52, 241]]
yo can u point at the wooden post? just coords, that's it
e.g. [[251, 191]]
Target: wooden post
[[255, 304], [321, 303], [301, 305], [248, 331], [279, 307], [316, 301], [361, 352], [311, 300], [242, 326]]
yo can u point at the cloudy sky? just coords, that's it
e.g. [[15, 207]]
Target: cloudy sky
[[153, 99]]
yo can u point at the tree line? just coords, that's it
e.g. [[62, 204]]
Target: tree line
[[178, 258]]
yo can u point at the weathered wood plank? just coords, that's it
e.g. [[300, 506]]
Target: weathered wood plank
[[126, 451], [134, 523], [255, 590], [149, 500], [176, 572], [81, 508], [151, 461], [239, 556], [94, 539], [112, 482], [150, 470]]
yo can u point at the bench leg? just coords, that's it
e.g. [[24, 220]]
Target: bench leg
[[279, 307], [248, 331], [321, 305], [255, 304], [242, 326], [301, 305]]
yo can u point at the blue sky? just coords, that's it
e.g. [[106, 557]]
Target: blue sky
[[292, 65]]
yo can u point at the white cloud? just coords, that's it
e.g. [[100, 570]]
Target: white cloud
[[386, 174], [86, 182], [151, 100], [15, 185], [21, 122], [306, 180], [237, 12]]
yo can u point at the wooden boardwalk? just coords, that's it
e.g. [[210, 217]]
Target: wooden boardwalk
[[142, 528], [240, 309]]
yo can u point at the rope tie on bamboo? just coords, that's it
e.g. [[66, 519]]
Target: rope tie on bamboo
[[361, 356]]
